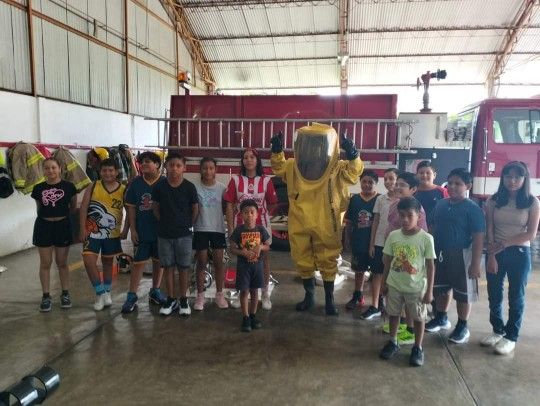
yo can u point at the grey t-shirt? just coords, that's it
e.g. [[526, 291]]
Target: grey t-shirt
[[509, 221], [210, 217]]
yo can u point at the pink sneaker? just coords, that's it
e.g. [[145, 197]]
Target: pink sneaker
[[220, 301], [199, 302]]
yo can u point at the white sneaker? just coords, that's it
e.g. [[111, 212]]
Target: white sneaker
[[107, 298], [504, 346], [266, 303], [99, 303], [185, 311], [491, 340], [199, 302], [235, 303]]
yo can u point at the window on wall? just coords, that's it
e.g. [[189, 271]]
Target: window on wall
[[516, 126]]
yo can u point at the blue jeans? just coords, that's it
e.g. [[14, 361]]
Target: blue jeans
[[514, 262]]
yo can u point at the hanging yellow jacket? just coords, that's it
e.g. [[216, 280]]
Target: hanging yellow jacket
[[26, 169], [71, 169]]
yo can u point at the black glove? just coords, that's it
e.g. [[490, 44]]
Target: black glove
[[348, 146], [277, 143]]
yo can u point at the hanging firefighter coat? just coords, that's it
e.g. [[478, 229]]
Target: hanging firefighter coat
[[71, 169], [25, 162]]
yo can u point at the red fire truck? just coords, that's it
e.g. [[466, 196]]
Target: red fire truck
[[484, 137]]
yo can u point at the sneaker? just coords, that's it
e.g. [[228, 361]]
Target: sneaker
[[46, 304], [99, 304], [371, 313], [170, 305], [130, 304], [156, 297], [417, 357], [108, 299], [401, 327], [65, 301], [235, 303], [435, 325], [405, 337], [246, 325], [491, 340], [460, 335], [266, 303], [355, 303], [220, 301], [505, 346], [185, 310], [389, 350], [255, 323], [199, 302]]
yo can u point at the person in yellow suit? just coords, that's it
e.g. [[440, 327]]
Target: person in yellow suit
[[318, 191]]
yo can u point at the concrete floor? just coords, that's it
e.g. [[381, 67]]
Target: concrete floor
[[296, 359]]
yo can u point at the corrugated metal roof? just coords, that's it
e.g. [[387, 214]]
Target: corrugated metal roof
[[389, 41]]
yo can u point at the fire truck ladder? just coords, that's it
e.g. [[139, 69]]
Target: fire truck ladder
[[371, 136]]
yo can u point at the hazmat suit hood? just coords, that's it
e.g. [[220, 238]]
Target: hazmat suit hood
[[315, 150]]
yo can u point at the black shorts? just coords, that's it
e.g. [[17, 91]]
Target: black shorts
[[250, 277], [451, 273], [202, 240], [377, 266], [52, 233], [361, 261]]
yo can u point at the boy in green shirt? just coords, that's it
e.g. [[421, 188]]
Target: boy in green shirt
[[409, 255]]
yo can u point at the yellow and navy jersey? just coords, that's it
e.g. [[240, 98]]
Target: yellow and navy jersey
[[105, 212]]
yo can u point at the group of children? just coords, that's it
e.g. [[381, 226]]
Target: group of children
[[168, 217], [424, 244]]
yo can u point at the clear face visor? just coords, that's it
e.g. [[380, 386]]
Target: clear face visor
[[312, 153]]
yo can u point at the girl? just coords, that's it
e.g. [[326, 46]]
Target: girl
[[252, 184], [55, 198], [376, 245], [210, 231], [512, 221]]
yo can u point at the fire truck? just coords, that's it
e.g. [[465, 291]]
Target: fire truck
[[483, 137]]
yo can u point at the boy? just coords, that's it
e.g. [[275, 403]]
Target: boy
[[143, 230], [428, 193], [248, 240], [376, 245], [458, 226], [101, 214], [406, 185], [176, 207], [359, 218], [408, 277]]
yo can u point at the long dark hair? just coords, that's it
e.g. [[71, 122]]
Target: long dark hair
[[259, 168], [524, 199]]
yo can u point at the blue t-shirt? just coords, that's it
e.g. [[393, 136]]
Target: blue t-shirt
[[360, 217], [455, 223], [428, 199], [139, 194]]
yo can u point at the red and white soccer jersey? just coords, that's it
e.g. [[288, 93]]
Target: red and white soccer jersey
[[260, 188]]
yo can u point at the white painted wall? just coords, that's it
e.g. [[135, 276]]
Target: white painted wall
[[25, 118]]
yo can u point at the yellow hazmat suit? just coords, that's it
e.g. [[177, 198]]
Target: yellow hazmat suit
[[318, 190]]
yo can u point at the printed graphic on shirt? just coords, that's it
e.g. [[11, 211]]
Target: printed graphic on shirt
[[208, 198], [404, 255], [99, 223], [364, 219], [146, 202], [250, 239], [51, 196]]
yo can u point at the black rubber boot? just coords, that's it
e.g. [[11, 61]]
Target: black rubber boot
[[331, 309], [309, 298]]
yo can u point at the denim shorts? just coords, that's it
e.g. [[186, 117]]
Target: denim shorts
[[175, 252]]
